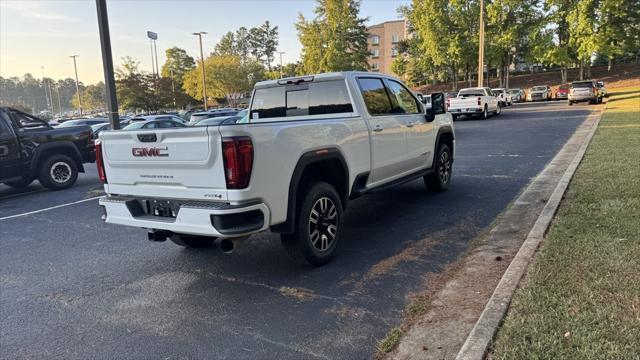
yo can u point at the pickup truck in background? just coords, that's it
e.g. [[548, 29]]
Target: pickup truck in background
[[309, 146], [474, 101], [31, 149], [504, 98], [540, 93]]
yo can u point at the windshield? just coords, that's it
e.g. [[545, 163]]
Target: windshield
[[97, 126], [514, 91], [135, 125], [564, 87], [471, 92], [539, 88], [584, 84]]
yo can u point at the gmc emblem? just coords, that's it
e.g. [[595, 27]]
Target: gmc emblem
[[153, 151]]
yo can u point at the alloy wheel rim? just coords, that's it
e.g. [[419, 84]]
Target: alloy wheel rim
[[60, 172], [323, 224], [445, 167]]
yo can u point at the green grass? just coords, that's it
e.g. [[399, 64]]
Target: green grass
[[581, 296], [390, 341]]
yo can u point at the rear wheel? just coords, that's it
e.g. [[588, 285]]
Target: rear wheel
[[318, 225], [58, 172], [439, 180], [485, 113], [192, 241], [18, 184]]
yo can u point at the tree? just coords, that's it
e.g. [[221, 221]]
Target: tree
[[227, 77], [336, 39], [582, 35], [263, 42], [178, 61], [93, 97]]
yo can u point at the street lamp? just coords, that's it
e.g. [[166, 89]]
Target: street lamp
[[281, 52], [75, 67], [204, 81]]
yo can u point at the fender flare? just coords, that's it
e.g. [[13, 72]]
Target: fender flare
[[305, 161], [44, 150], [444, 129]]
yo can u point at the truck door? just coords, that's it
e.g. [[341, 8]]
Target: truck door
[[9, 150], [388, 133], [420, 133]]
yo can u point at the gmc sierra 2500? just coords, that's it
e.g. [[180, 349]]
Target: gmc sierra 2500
[[308, 146]]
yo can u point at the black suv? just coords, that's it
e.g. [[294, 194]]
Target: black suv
[[31, 149]]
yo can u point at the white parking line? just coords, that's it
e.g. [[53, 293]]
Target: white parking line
[[47, 209]]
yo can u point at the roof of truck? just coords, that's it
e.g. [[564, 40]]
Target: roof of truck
[[321, 77]]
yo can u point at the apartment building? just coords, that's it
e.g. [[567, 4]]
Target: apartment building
[[382, 42]]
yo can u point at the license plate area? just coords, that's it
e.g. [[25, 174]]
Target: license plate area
[[160, 208]]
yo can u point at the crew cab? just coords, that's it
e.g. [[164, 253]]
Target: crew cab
[[474, 101], [31, 149], [540, 93], [504, 98], [308, 146]]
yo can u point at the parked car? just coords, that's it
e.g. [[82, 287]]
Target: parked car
[[32, 149], [517, 95], [157, 123], [602, 90], [223, 120], [563, 92], [504, 99], [583, 91], [474, 101], [98, 128], [540, 93], [83, 122], [312, 144], [197, 117], [157, 117]]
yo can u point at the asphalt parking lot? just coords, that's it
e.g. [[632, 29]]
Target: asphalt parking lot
[[74, 287]]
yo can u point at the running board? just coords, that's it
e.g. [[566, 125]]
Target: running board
[[413, 176]]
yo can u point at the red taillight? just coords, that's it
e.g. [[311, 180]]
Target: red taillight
[[448, 103], [99, 162], [479, 101], [238, 161]]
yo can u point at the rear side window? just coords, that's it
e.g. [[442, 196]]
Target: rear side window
[[375, 96], [27, 121], [582, 85], [316, 98]]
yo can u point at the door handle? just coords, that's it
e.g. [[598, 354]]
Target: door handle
[[410, 124], [378, 128]]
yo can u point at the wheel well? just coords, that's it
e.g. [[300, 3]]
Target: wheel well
[[331, 171], [446, 138], [63, 150]]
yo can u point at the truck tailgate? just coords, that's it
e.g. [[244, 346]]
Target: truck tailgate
[[463, 102], [183, 163]]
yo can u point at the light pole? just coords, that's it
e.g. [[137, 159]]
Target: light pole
[[204, 80], [281, 52], [44, 85], [481, 46], [107, 64], [58, 93], [75, 68]]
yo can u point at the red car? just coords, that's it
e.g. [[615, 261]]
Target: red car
[[563, 92]]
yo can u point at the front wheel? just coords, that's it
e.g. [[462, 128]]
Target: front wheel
[[58, 172], [498, 110], [439, 179], [485, 113], [318, 225]]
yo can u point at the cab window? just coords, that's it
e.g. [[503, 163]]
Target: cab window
[[26, 121], [403, 101], [375, 96]]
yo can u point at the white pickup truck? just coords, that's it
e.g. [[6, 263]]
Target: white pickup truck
[[309, 145], [474, 101]]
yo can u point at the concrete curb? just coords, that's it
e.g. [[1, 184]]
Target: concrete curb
[[480, 338]]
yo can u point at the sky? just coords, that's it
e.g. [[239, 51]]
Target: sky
[[36, 34]]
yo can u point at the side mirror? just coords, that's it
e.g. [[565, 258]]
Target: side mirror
[[437, 104]]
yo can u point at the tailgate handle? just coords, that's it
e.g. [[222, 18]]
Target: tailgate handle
[[147, 137]]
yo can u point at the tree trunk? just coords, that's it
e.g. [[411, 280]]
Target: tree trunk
[[506, 76], [581, 72], [609, 64], [588, 70], [563, 73]]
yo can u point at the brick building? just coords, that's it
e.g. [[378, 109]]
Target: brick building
[[382, 44]]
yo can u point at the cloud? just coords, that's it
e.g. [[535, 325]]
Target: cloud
[[35, 10]]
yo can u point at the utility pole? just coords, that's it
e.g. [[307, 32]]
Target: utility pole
[[204, 80], [155, 49], [75, 67], [107, 64], [153, 63], [281, 52], [481, 46]]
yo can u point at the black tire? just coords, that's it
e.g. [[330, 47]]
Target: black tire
[[192, 241], [440, 179], [485, 113], [19, 184], [498, 110], [58, 172], [454, 117], [316, 237], [570, 103]]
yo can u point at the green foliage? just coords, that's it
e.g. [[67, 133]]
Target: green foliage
[[260, 42], [93, 97], [227, 76], [335, 40], [177, 62]]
